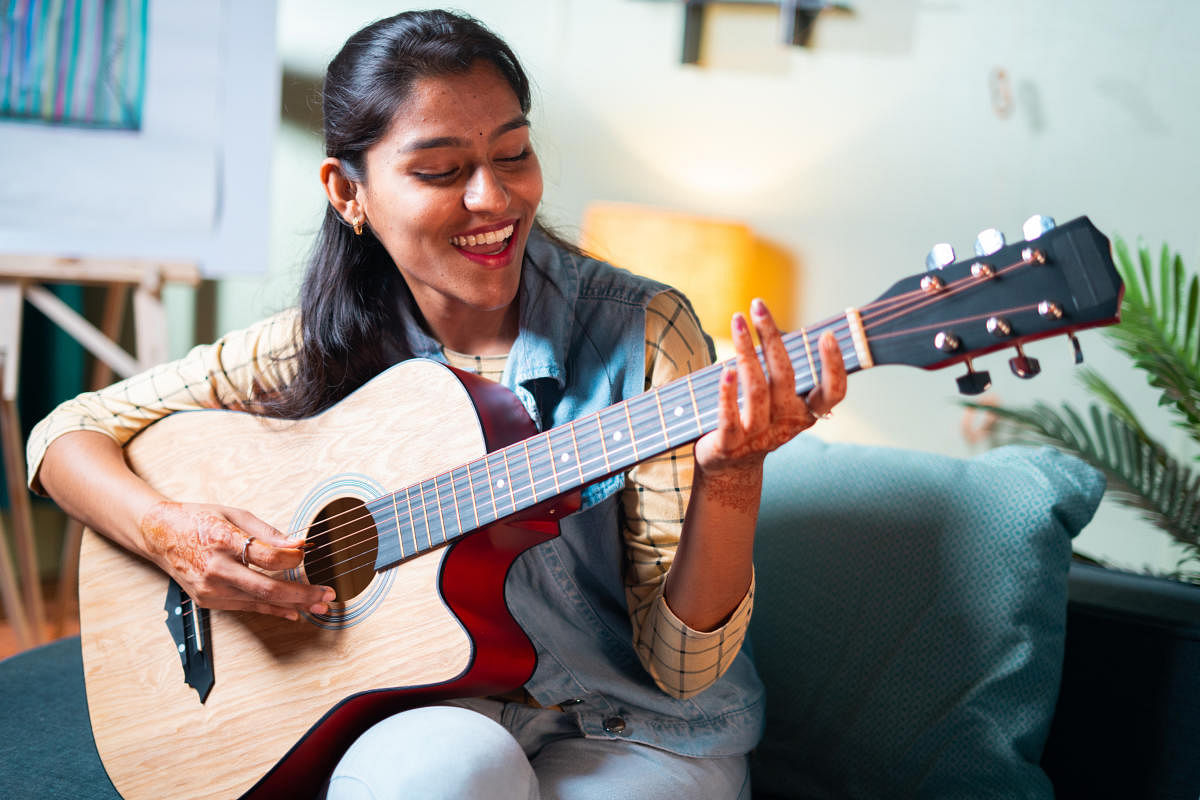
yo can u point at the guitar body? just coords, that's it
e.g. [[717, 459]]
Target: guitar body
[[414, 634]]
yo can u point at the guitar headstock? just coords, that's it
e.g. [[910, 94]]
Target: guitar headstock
[[1058, 280]]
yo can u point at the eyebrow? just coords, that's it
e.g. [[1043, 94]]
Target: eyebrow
[[456, 141]]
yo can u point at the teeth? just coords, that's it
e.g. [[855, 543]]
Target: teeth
[[491, 237]]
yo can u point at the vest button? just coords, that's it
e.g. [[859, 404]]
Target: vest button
[[614, 725]]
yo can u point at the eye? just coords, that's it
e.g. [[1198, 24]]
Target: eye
[[521, 156], [427, 175]]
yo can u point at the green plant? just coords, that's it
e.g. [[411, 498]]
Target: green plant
[[1160, 333]]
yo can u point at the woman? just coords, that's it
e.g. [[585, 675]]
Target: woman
[[431, 247]]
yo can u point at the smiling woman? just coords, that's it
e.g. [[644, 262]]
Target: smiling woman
[[602, 648], [453, 188]]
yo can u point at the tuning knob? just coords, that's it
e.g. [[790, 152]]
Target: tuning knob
[[988, 242], [941, 255], [974, 382], [1023, 366], [1036, 225]]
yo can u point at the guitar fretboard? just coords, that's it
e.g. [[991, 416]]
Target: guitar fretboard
[[435, 512]]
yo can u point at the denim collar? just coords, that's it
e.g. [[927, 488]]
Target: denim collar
[[549, 290]]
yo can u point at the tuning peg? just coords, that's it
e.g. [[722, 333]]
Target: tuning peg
[[974, 382], [1077, 348], [1023, 366], [988, 241], [941, 255], [1036, 225]]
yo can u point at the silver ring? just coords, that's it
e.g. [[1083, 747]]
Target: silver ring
[[245, 550]]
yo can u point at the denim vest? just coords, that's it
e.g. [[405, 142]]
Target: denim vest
[[581, 348]]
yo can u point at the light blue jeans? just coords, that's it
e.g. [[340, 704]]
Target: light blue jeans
[[481, 748]]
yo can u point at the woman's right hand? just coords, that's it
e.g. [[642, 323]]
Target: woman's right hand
[[211, 550]]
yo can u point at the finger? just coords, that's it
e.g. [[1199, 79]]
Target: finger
[[262, 588], [729, 423], [781, 375], [287, 612], [832, 388], [268, 548], [756, 408]]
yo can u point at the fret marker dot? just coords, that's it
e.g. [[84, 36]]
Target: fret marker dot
[[564, 458], [617, 436], [679, 411], [500, 483]]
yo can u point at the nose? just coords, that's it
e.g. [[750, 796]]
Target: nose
[[485, 192]]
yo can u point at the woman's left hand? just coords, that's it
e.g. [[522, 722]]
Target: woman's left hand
[[772, 412]]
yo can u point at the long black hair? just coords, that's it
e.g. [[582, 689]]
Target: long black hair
[[352, 290]]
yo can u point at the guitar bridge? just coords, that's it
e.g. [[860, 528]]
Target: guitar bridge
[[188, 625]]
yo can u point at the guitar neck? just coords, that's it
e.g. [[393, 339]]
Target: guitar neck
[[427, 515]]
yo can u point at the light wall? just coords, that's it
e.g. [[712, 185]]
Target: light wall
[[893, 131]]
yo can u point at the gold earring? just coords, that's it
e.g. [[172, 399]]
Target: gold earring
[[358, 223]]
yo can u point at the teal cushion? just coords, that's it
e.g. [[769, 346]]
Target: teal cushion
[[909, 620]]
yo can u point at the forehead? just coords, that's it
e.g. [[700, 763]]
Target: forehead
[[472, 103]]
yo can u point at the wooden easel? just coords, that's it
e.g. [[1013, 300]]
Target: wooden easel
[[20, 279]]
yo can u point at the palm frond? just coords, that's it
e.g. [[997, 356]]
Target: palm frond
[[1160, 328], [1141, 473]]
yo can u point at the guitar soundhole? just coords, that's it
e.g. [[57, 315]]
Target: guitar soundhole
[[342, 545]]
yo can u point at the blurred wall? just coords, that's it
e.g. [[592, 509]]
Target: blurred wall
[[904, 123]]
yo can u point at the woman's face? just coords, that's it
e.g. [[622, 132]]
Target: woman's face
[[451, 191]]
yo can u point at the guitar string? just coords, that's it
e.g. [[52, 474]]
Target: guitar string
[[888, 302], [430, 496], [874, 315], [915, 298]]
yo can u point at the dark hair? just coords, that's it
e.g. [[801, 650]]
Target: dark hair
[[352, 290]]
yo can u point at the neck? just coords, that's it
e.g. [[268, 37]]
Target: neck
[[475, 332]]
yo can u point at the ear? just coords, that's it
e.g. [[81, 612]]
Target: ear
[[344, 194]]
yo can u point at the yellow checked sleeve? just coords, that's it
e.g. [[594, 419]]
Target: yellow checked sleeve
[[682, 661], [224, 374]]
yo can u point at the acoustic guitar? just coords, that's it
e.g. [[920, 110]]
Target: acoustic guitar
[[415, 510]]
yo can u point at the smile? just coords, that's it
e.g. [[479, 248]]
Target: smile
[[500, 237]]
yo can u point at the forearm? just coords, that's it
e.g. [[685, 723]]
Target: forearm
[[86, 474], [713, 565]]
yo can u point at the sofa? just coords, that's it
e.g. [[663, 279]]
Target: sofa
[[916, 630]]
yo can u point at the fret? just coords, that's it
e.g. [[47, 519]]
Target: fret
[[812, 366], [691, 387], [413, 518], [677, 409], [615, 437], [399, 529], [520, 478], [632, 429], [385, 512], [563, 452], [645, 415], [481, 488], [440, 529], [591, 462], [497, 473], [460, 482], [541, 467]]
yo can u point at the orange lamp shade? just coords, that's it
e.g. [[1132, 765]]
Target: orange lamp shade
[[719, 264]]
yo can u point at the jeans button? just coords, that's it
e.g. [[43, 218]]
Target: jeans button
[[614, 725]]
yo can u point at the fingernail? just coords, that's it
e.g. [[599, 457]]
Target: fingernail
[[318, 608], [293, 616], [330, 596], [739, 323], [758, 308]]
